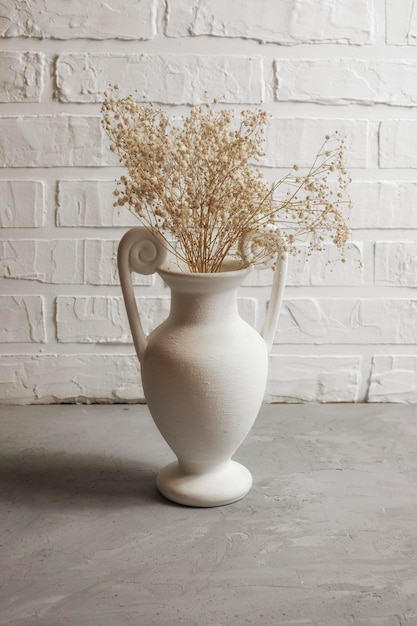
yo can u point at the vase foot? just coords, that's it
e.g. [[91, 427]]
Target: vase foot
[[223, 486]]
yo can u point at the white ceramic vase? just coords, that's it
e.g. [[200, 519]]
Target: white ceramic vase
[[204, 372]]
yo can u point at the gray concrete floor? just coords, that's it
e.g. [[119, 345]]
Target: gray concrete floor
[[326, 537]]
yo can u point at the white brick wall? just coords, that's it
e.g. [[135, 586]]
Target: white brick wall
[[346, 334]]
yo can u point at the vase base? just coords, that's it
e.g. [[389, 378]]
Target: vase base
[[226, 485]]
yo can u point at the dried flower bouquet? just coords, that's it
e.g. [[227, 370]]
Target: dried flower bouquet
[[192, 181]]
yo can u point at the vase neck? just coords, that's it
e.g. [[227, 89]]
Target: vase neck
[[204, 298], [203, 308]]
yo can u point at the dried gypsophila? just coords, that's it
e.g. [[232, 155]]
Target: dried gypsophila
[[192, 181]]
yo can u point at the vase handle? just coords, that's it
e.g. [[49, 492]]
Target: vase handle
[[275, 300], [142, 252]]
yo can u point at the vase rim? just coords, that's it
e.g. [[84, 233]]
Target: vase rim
[[237, 271]]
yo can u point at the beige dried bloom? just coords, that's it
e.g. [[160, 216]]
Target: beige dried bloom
[[193, 181]]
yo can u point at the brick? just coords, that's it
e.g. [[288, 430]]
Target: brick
[[100, 258], [325, 268], [393, 379], [348, 321], [101, 319], [398, 144], [168, 79], [342, 81], [306, 378], [97, 319], [50, 141], [386, 204], [46, 378], [401, 22], [395, 264], [21, 203], [286, 22], [89, 261], [297, 140], [119, 19], [22, 76], [46, 261], [90, 203], [22, 319]]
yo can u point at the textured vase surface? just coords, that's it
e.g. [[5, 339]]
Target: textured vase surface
[[204, 372]]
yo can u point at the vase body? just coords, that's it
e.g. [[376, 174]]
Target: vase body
[[204, 373]]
